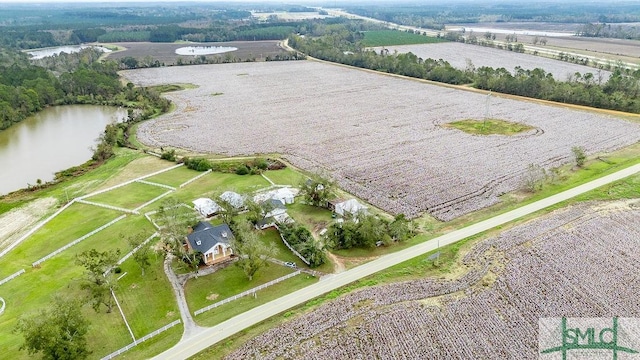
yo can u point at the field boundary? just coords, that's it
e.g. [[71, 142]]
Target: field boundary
[[137, 210], [245, 293], [110, 207], [12, 276], [195, 178], [155, 184], [74, 242], [142, 339], [3, 305]]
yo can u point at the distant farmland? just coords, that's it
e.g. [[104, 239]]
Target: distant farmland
[[457, 55], [574, 262], [396, 37], [379, 136]]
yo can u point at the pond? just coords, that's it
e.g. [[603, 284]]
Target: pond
[[69, 49], [54, 139], [204, 50]]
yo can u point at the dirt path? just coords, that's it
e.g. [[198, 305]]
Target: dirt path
[[338, 264], [191, 329], [16, 222]]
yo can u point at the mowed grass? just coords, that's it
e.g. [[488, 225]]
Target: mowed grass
[[396, 37], [228, 282], [313, 217], [286, 176], [129, 196], [174, 177], [236, 307], [71, 224], [271, 236], [489, 127], [216, 183]]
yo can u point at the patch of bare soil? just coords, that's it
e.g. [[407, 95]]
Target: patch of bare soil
[[135, 169], [212, 297], [338, 263], [17, 222]]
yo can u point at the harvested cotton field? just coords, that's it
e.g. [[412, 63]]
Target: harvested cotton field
[[576, 262], [379, 136], [457, 55]]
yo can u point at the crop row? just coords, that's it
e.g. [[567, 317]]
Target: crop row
[[380, 137], [574, 263]]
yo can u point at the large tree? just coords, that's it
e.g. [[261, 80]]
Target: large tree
[[316, 190], [100, 278], [142, 255], [253, 253], [57, 333]]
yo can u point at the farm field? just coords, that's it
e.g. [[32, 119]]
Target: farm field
[[394, 37], [457, 54], [165, 52], [578, 260], [387, 144]]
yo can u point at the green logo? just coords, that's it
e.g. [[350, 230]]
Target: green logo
[[589, 338]]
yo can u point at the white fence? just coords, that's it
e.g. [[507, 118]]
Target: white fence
[[152, 201], [110, 207], [11, 277], [142, 339], [74, 242], [3, 305], [156, 184], [248, 292], [292, 249], [195, 178]]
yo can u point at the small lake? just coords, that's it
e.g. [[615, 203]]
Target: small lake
[[204, 50], [54, 139], [69, 49]]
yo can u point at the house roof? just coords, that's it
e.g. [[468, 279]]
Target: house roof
[[205, 236], [351, 206], [234, 199], [206, 206], [279, 194]]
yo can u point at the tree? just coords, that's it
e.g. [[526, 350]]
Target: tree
[[57, 332], [253, 253], [174, 221], [579, 155], [100, 278], [228, 211], [142, 255], [399, 229], [316, 190], [534, 177]]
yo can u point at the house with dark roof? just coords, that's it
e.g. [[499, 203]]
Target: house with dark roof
[[214, 242]]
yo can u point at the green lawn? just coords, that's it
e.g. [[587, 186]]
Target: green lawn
[[216, 183], [174, 177], [313, 217], [272, 236], [236, 307], [228, 282], [396, 37], [489, 127], [155, 345], [71, 224], [286, 176], [129, 196]]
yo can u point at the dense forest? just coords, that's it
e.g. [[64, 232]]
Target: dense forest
[[342, 43]]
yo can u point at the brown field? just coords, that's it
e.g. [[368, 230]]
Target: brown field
[[577, 262], [379, 136], [457, 55], [165, 52]]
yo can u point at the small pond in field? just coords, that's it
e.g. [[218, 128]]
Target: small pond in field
[[204, 50], [54, 139], [69, 49]]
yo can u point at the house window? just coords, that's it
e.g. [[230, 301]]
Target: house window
[[216, 250]]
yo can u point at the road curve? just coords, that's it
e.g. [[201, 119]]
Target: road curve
[[213, 335]]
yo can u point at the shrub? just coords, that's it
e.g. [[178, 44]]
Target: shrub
[[197, 164], [169, 155], [242, 170]]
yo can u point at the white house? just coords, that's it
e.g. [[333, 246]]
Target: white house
[[349, 207], [214, 242], [277, 215], [286, 195], [234, 199], [206, 207]]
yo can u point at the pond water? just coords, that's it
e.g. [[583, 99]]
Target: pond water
[[204, 50], [54, 139], [69, 49]]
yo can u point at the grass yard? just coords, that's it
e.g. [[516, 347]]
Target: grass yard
[[396, 37], [174, 177], [227, 282], [314, 218], [271, 236], [71, 224], [155, 345], [229, 310], [213, 184], [129, 196], [286, 176], [489, 127]]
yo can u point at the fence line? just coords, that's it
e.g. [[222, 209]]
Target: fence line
[[142, 339], [195, 178], [269, 180], [35, 228], [129, 182], [248, 292], [152, 201], [123, 317], [74, 242], [3, 305], [12, 276], [156, 184], [151, 221], [296, 253], [128, 255], [111, 207]]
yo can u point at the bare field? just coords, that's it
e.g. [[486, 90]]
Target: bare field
[[457, 54], [575, 262], [379, 136], [165, 52]]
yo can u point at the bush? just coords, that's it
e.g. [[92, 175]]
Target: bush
[[197, 164], [168, 155], [242, 170]]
